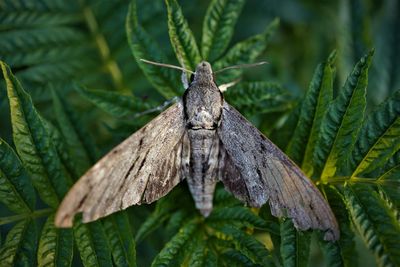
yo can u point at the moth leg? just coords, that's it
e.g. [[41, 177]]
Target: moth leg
[[161, 107], [184, 80], [225, 86]]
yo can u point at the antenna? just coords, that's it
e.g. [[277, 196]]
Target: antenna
[[165, 65], [242, 66]]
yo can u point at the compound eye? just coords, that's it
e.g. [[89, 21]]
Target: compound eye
[[191, 78]]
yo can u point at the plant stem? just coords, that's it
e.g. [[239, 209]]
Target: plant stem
[[349, 179], [111, 65], [32, 215]]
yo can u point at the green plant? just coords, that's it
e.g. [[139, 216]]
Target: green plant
[[351, 154]]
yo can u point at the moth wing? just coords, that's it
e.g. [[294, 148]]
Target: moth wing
[[142, 169], [256, 171]]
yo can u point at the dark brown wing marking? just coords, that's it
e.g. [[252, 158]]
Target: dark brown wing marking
[[143, 168], [257, 171]]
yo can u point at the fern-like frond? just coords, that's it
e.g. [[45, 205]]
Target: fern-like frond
[[20, 245], [218, 27], [182, 38], [114, 103], [92, 244], [144, 46], [244, 52], [33, 143], [341, 124], [16, 190], [65, 42], [55, 245], [313, 108], [120, 239], [167, 256], [260, 98], [295, 246]]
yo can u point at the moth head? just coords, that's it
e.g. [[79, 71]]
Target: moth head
[[204, 68], [203, 71]]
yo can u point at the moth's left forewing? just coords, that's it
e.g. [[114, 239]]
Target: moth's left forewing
[[143, 168], [257, 171]]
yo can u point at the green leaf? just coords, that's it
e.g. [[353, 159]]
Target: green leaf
[[69, 129], [198, 251], [218, 27], [211, 258], [34, 144], [142, 46], [353, 34], [241, 215], [375, 222], [245, 52], [175, 245], [344, 250], [295, 245], [165, 208], [181, 37], [246, 244], [259, 97], [223, 198], [116, 104], [234, 258], [17, 18], [92, 244], [121, 239], [78, 133], [392, 168], [341, 123], [152, 222], [313, 108], [68, 164], [66, 42], [16, 190], [175, 221], [19, 248], [283, 134], [379, 138], [389, 184], [331, 252], [55, 245]]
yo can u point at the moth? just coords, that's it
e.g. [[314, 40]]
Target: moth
[[204, 140]]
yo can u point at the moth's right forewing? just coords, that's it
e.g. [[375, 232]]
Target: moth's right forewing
[[143, 168], [257, 171]]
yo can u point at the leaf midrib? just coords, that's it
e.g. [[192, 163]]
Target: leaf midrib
[[343, 117], [371, 147], [13, 188], [383, 244], [104, 50], [16, 94]]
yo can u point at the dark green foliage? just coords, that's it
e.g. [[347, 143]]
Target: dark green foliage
[[217, 27], [255, 98], [20, 245], [55, 245], [313, 109], [295, 246], [144, 46], [340, 125], [119, 234], [92, 244], [16, 191], [75, 87], [33, 143]]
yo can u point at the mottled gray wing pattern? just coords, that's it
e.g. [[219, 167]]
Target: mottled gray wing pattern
[[143, 168], [256, 171]]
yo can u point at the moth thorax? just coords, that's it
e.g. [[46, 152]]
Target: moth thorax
[[202, 120]]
